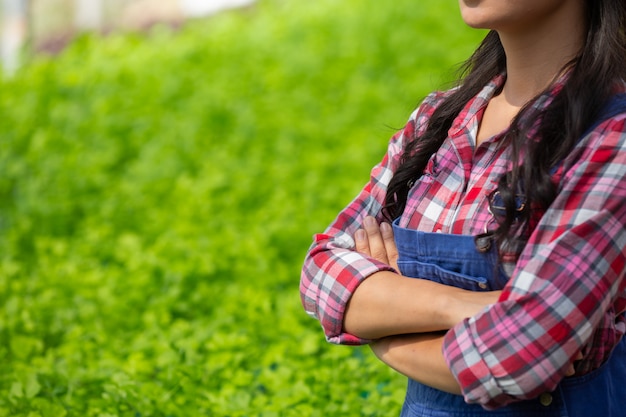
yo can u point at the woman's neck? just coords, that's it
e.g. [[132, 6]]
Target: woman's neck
[[535, 58]]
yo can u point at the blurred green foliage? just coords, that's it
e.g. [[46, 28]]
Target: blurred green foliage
[[158, 193]]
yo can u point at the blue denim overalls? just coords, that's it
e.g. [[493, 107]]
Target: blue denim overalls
[[454, 260]]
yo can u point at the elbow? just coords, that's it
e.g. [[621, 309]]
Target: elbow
[[315, 303], [492, 392], [327, 313], [493, 386], [309, 295]]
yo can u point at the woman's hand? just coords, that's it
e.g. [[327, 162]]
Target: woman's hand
[[377, 241], [571, 369], [419, 357], [450, 305]]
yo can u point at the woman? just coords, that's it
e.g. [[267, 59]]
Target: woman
[[506, 195]]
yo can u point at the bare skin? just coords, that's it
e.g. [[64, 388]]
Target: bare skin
[[539, 38], [387, 303], [419, 355]]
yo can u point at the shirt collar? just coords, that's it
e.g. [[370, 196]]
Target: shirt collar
[[476, 105], [480, 101]]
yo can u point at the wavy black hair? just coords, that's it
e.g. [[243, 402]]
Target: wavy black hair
[[593, 75]]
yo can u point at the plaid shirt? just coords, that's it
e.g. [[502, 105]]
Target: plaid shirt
[[567, 291]]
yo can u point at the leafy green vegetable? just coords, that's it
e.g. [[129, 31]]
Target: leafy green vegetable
[[158, 193]]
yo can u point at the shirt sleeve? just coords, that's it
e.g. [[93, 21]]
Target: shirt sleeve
[[332, 268], [567, 286]]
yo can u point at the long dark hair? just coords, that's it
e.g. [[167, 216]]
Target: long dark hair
[[593, 75]]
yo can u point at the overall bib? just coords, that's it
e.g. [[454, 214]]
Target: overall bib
[[454, 260]]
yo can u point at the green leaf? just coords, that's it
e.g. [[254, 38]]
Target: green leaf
[[16, 390], [158, 192], [32, 386]]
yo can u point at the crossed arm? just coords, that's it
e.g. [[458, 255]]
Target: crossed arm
[[385, 305]]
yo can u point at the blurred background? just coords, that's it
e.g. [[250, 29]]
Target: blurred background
[[48, 25], [163, 168]]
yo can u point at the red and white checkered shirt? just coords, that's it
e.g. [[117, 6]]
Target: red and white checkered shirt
[[567, 291]]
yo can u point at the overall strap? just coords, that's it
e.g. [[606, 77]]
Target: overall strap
[[615, 106]]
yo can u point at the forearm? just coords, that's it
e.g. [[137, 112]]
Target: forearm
[[388, 304], [419, 357]]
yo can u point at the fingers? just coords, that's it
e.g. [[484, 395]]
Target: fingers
[[362, 242], [390, 244], [377, 241], [571, 369]]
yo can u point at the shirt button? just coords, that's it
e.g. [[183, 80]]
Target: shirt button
[[482, 285], [545, 399]]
